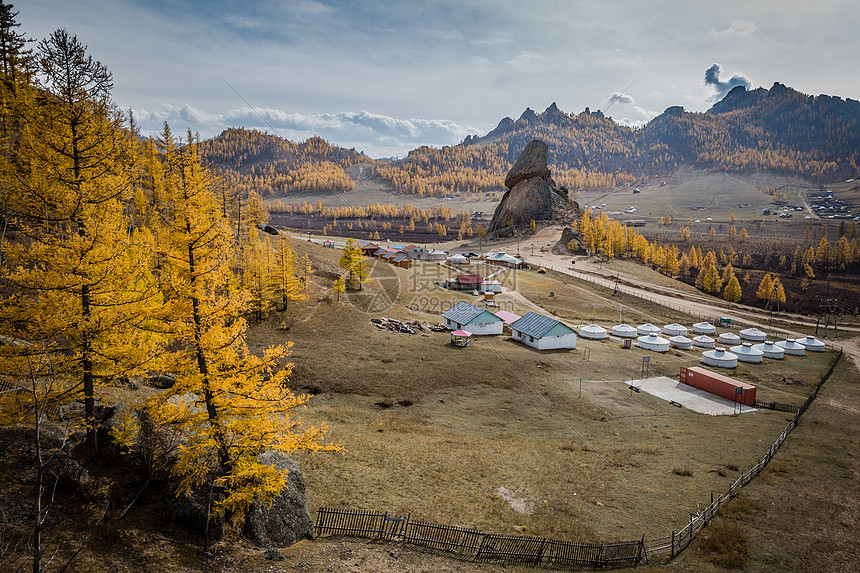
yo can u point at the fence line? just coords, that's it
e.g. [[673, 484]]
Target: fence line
[[478, 546]]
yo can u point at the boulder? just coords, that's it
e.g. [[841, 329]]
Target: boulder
[[568, 235], [288, 520], [532, 162], [532, 195]]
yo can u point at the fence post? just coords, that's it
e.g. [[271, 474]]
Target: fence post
[[673, 544]]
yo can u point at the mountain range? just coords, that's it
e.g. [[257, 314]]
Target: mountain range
[[777, 130]]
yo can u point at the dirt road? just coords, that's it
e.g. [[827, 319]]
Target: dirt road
[[698, 304]]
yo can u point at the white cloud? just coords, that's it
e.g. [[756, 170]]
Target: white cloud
[[620, 98], [375, 134], [737, 28]]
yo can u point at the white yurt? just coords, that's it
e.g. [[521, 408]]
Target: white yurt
[[593, 332], [729, 338], [746, 353], [681, 342], [652, 342], [770, 350], [812, 344], [675, 329], [704, 328], [458, 259], [624, 331], [790, 346], [753, 335], [720, 358], [647, 329], [704, 341]]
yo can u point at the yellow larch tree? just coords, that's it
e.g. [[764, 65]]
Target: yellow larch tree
[[76, 280], [229, 404]]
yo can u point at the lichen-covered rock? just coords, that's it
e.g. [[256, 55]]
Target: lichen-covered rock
[[288, 520]]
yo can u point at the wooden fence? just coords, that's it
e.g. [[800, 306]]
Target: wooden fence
[[674, 544], [778, 406], [477, 546]]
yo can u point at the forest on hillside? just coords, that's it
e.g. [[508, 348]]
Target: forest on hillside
[[251, 160], [123, 258], [778, 131]]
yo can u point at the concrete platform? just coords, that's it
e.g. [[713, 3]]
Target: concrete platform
[[691, 398]]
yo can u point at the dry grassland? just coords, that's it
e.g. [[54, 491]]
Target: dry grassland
[[497, 436]]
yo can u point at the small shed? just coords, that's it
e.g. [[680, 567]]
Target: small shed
[[435, 255], [493, 286], [402, 261], [461, 338], [704, 328], [469, 282], [508, 317], [542, 332], [369, 248], [478, 321]]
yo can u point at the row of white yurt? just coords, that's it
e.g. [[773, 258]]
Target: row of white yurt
[[811, 343], [654, 343], [647, 329], [704, 341], [593, 332], [720, 358], [681, 342], [753, 335], [791, 347], [746, 353], [704, 328], [770, 350], [729, 338], [675, 329], [624, 331]]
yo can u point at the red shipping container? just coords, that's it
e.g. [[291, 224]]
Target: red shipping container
[[719, 384]]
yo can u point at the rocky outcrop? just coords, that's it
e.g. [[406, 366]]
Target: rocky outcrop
[[532, 194], [569, 238], [287, 521]]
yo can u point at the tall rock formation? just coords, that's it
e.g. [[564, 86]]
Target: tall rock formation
[[532, 194]]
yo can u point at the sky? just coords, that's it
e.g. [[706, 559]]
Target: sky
[[384, 77]]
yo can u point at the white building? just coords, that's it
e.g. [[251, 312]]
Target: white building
[[478, 321], [542, 332]]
